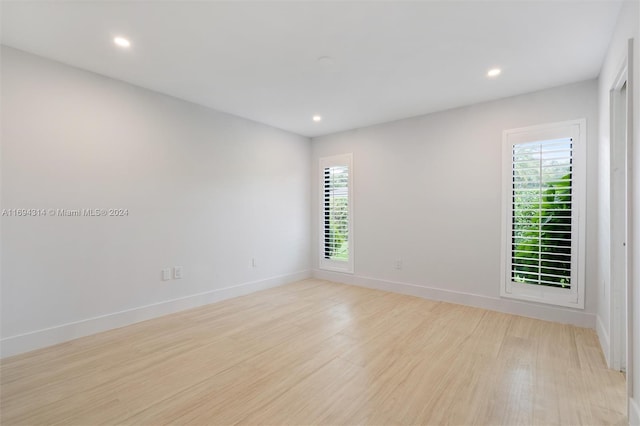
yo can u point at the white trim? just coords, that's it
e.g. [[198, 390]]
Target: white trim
[[634, 412], [618, 230], [631, 142], [532, 310], [21, 343], [328, 264], [573, 297], [603, 337]]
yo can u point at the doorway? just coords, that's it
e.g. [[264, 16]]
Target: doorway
[[619, 222], [621, 311]]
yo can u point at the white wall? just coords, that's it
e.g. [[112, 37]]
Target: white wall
[[626, 28], [427, 190], [205, 190]]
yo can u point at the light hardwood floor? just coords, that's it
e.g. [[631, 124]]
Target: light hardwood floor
[[316, 352]]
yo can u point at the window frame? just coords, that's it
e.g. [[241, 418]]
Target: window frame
[[573, 297], [332, 264]]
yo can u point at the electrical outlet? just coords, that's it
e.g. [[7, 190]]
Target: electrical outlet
[[166, 274], [177, 272], [398, 264], [253, 262]]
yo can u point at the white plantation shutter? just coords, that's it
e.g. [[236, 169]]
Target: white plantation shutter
[[543, 196], [336, 210], [336, 242], [541, 211]]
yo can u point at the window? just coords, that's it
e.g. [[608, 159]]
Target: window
[[544, 194], [336, 236]]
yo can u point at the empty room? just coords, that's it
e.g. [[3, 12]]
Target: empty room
[[320, 212]]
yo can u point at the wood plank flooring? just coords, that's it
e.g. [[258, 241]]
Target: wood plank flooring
[[315, 352]]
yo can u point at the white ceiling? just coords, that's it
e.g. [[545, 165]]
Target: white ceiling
[[259, 60]]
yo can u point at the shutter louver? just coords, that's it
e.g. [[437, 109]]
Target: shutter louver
[[336, 213], [541, 213]]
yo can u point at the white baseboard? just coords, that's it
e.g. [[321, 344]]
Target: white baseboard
[[18, 344], [526, 309], [634, 412], [603, 336]]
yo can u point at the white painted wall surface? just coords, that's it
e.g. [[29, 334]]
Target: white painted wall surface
[[626, 28], [205, 190], [427, 190]]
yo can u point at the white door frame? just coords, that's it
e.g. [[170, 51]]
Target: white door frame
[[619, 219], [630, 176], [621, 315]]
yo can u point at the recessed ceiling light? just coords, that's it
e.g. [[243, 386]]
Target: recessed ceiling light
[[494, 72], [122, 42], [317, 118], [325, 60], [327, 64]]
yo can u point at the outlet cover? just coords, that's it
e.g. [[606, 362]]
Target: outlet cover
[[166, 274], [177, 272]]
